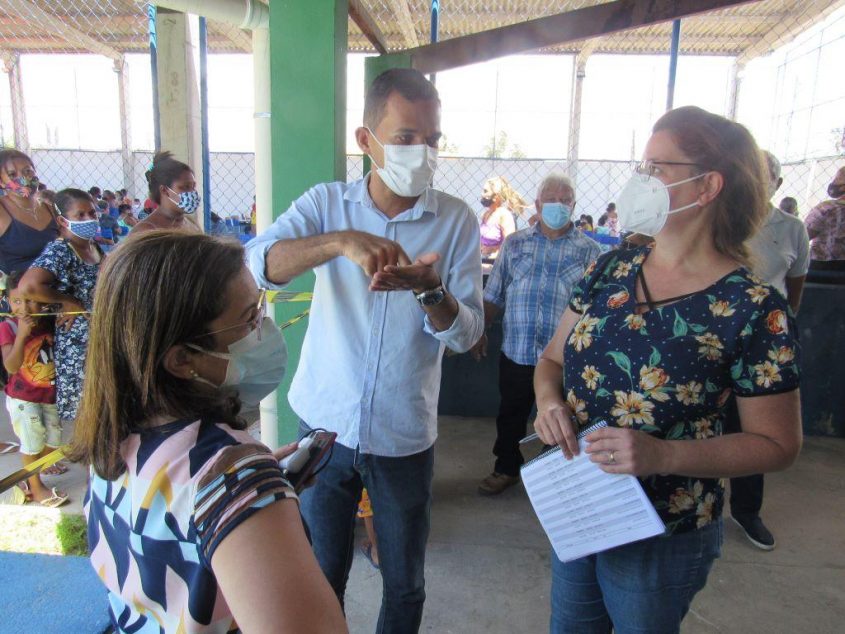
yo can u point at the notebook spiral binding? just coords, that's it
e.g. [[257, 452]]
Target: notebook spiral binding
[[584, 432]]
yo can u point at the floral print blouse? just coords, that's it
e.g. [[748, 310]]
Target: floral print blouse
[[670, 371]]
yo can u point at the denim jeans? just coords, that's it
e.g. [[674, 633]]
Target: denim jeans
[[645, 586], [400, 493]]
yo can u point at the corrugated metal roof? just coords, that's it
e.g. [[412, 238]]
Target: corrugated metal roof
[[30, 26]]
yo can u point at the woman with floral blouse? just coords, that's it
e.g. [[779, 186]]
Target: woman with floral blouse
[[655, 341]]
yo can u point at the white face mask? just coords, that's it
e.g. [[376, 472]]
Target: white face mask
[[256, 366], [408, 169], [643, 204]]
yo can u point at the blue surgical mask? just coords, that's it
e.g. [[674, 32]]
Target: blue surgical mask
[[188, 202], [85, 229], [556, 215]]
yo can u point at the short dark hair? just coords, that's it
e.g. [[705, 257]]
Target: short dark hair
[[124, 207], [66, 197], [12, 280], [165, 170], [409, 83], [95, 192], [611, 207]]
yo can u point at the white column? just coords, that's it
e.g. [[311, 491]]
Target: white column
[[122, 70], [737, 73], [178, 91], [579, 72], [264, 193], [12, 66]]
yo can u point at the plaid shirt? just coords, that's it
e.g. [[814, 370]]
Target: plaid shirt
[[532, 280]]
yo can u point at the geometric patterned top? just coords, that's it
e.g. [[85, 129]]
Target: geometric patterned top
[[153, 531]]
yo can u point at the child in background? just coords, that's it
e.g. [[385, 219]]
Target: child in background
[[66, 273], [27, 347], [369, 547]]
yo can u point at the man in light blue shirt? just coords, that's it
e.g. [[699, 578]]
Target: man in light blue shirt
[[531, 281], [398, 279]]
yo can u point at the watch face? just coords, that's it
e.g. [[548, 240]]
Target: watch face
[[431, 298]]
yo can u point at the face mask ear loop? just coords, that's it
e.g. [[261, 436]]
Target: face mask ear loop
[[373, 135]]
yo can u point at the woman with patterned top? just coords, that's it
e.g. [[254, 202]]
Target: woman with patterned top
[[65, 274], [191, 525], [654, 341]]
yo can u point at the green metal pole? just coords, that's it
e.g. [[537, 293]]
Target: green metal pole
[[308, 101]]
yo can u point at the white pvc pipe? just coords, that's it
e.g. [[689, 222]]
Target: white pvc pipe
[[244, 14], [264, 191]]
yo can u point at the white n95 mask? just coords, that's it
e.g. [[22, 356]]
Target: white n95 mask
[[408, 169], [643, 204]]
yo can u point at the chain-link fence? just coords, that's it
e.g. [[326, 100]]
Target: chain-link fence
[[775, 65]]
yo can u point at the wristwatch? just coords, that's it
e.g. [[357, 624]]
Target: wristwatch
[[432, 296]]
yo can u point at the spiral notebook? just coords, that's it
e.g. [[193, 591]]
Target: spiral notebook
[[583, 509]]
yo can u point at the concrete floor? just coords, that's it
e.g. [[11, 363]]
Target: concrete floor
[[487, 567]]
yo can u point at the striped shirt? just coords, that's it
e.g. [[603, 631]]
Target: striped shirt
[[532, 280]]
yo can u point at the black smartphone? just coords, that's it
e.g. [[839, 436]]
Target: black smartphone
[[321, 443]]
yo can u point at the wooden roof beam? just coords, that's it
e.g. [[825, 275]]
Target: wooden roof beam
[[61, 28], [555, 30], [364, 21], [787, 30]]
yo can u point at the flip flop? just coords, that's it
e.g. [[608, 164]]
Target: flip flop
[[55, 470], [55, 500], [9, 447], [21, 493], [367, 551]]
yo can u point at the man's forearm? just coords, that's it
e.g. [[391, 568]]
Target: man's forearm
[[443, 315], [288, 258]]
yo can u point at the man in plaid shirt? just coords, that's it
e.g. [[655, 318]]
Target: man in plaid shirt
[[531, 281]]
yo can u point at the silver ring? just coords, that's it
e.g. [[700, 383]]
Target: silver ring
[[612, 459]]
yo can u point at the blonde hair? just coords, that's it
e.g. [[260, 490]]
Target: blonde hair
[[717, 144], [510, 197]]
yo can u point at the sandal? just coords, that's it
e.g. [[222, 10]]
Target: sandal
[[21, 494], [55, 500], [9, 447], [367, 550], [55, 469]]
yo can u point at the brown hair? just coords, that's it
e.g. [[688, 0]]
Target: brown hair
[[165, 170], [719, 145], [165, 287]]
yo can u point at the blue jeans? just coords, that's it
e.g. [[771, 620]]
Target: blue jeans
[[645, 586], [400, 493]]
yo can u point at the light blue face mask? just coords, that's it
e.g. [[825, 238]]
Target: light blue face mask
[[556, 215], [188, 202]]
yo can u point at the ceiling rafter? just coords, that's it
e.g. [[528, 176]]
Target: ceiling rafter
[[405, 20]]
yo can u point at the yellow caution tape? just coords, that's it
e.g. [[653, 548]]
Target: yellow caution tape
[[76, 312], [278, 297], [31, 469], [290, 322]]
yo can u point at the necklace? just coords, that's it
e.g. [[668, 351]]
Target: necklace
[[32, 212]]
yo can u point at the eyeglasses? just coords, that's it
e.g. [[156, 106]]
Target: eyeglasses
[[648, 168], [254, 323]]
